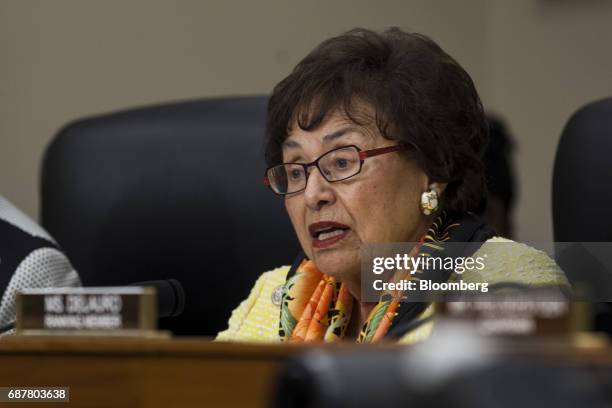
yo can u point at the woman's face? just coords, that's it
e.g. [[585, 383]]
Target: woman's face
[[380, 204]]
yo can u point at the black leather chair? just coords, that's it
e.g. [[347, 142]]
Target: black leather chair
[[582, 200], [170, 191]]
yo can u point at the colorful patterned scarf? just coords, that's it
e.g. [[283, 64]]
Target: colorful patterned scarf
[[315, 307]]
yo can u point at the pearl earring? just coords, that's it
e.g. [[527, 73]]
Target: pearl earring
[[429, 201]]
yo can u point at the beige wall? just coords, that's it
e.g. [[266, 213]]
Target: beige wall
[[533, 61], [63, 59], [544, 59]]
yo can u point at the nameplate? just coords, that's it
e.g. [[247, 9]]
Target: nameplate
[[518, 314], [86, 311]]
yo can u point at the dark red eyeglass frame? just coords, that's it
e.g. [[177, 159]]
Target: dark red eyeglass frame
[[362, 156]]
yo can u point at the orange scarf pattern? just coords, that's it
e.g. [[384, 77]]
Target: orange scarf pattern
[[315, 307], [326, 314]]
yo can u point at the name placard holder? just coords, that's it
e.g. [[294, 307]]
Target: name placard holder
[[114, 311], [532, 313]]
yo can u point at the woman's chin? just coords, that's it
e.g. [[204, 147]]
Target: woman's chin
[[337, 263]]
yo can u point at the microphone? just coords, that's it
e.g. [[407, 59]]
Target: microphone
[[170, 296], [170, 300]]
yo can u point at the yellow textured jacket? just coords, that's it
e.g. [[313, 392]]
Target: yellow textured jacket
[[256, 319]]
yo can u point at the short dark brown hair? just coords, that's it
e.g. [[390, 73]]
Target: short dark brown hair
[[420, 95]]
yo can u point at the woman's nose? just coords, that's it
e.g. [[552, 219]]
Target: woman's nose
[[318, 192]]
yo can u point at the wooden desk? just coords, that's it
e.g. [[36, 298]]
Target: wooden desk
[[108, 372], [183, 372]]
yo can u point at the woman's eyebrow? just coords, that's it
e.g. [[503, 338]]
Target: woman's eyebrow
[[291, 144], [288, 143], [339, 133]]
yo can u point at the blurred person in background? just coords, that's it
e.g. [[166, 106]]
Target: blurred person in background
[[501, 184], [374, 138], [29, 258]]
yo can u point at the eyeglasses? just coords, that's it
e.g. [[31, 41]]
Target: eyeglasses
[[336, 165]]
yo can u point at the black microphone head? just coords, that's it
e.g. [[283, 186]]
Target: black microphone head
[[170, 296]]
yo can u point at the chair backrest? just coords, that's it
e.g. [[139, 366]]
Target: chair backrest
[[582, 197], [170, 191]]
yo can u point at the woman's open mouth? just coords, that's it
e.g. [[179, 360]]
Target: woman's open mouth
[[327, 233]]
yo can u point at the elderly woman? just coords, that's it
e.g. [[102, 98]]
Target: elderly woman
[[373, 138]]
